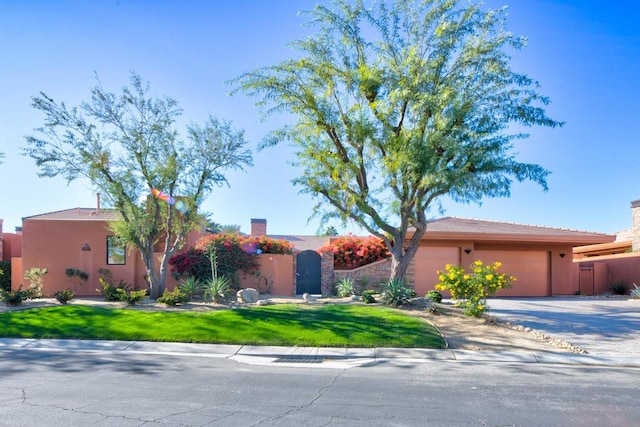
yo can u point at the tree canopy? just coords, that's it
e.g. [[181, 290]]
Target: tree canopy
[[126, 145], [396, 104]]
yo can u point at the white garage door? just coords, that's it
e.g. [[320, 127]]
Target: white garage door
[[427, 261], [531, 268]]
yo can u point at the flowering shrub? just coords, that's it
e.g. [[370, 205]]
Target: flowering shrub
[[230, 257], [267, 245], [471, 288], [352, 251]]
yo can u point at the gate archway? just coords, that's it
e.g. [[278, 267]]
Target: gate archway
[[308, 273]]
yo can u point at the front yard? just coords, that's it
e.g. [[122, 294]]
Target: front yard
[[326, 325]]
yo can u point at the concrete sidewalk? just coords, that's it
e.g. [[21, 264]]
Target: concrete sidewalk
[[326, 357]]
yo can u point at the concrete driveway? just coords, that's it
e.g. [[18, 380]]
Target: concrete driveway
[[598, 325]]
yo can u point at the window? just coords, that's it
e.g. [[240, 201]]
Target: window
[[116, 251]]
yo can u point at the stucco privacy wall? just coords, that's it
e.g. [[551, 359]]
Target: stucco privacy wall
[[1, 241], [275, 275], [612, 269]]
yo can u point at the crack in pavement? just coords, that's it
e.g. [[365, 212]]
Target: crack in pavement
[[334, 379]]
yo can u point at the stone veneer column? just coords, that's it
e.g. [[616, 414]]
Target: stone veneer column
[[326, 273], [635, 225]]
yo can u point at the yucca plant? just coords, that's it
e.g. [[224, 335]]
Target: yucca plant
[[635, 292], [345, 287]]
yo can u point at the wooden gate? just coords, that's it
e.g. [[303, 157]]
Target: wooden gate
[[308, 273], [585, 280]]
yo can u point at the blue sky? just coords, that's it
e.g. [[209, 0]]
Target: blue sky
[[585, 54]]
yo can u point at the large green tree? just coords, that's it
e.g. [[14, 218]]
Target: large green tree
[[396, 104], [127, 144]]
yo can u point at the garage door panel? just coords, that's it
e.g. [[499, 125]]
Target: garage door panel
[[531, 268], [427, 261]]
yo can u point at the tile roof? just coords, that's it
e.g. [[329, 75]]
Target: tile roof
[[78, 214], [454, 227]]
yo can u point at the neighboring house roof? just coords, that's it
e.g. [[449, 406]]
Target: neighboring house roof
[[452, 228], [78, 214], [303, 243], [617, 247]]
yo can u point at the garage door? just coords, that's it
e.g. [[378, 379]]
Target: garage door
[[428, 260], [531, 268]]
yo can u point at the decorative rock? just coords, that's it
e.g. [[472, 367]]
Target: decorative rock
[[355, 297], [248, 295], [307, 297], [263, 302]]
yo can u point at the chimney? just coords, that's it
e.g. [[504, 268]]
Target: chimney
[[97, 202], [635, 225], [258, 227]]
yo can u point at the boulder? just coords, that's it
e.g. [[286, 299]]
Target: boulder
[[248, 295]]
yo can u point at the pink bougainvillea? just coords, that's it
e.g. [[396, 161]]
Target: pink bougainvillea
[[352, 251]]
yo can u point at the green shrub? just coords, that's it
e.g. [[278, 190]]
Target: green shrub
[[133, 297], [76, 277], [177, 296], [367, 296], [434, 296], [65, 296], [345, 287], [35, 277], [14, 298], [5, 276], [396, 293], [619, 287]]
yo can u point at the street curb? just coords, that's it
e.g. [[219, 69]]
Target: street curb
[[291, 355]]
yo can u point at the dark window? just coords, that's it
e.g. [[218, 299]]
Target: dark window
[[116, 251]]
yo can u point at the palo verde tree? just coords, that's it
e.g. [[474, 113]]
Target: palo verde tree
[[398, 104], [126, 145]]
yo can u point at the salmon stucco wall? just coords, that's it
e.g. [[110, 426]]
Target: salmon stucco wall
[[275, 275]]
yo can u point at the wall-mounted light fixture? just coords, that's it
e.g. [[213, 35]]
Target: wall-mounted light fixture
[[467, 251], [562, 255], [86, 247]]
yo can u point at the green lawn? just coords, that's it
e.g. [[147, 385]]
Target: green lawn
[[283, 324]]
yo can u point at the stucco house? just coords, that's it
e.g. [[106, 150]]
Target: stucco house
[[78, 238], [540, 257]]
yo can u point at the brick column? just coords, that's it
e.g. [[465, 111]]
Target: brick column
[[326, 273]]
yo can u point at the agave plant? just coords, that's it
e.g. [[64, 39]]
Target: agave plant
[[396, 293], [191, 287], [635, 292], [345, 287]]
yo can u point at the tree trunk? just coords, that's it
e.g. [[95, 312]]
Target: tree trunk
[[399, 266], [156, 286]]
